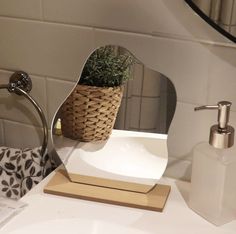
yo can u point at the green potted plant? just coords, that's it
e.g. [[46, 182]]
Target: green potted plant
[[90, 111]]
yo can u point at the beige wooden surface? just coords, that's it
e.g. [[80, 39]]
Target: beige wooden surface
[[154, 200]]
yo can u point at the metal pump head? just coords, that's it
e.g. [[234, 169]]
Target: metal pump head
[[221, 135]]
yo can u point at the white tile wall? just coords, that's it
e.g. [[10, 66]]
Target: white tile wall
[[153, 17], [44, 48], [18, 108], [136, 17], [57, 91], [30, 9], [227, 7], [19, 135], [186, 65], [151, 83], [234, 15], [189, 128], [222, 73], [55, 38]]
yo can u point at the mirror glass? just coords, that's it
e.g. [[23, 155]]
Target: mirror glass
[[220, 14], [136, 149]]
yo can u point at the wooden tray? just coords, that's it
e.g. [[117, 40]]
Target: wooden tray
[[155, 199]]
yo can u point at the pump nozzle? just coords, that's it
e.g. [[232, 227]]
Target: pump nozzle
[[221, 135], [223, 108]]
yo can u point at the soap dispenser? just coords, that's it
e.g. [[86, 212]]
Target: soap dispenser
[[213, 182]]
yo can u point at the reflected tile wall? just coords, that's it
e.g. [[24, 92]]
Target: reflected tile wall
[[145, 102]]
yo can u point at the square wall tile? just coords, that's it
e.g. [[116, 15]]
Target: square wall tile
[[186, 64], [226, 12], [187, 129], [233, 22], [30, 9], [18, 108], [45, 49], [233, 28], [4, 76], [33, 136], [135, 84], [151, 83], [150, 113], [222, 73], [57, 92], [132, 117]]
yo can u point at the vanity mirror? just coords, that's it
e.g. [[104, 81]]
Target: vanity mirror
[[220, 14], [134, 157]]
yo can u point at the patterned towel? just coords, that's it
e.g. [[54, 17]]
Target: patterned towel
[[21, 170]]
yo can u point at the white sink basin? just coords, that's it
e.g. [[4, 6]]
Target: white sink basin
[[127, 156], [75, 226]]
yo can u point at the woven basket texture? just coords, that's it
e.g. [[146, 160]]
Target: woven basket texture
[[89, 113]]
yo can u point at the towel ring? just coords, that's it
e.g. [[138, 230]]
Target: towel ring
[[20, 83]]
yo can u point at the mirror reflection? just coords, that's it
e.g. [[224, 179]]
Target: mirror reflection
[[221, 14], [114, 123]]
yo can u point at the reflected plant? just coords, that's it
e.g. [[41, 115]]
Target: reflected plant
[[106, 67]]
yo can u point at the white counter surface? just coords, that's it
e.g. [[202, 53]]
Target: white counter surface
[[54, 214]]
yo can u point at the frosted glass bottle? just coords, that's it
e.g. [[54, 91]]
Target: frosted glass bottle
[[213, 182]]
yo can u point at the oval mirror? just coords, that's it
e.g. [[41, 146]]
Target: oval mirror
[[220, 14], [114, 123]]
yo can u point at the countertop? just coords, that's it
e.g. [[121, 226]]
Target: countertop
[[47, 213]]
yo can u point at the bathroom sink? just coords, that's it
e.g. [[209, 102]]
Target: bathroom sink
[[126, 155], [75, 226]]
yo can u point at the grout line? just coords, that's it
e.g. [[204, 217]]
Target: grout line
[[141, 97], [46, 94], [155, 34], [46, 21], [126, 121], [42, 76], [59, 79], [22, 123], [190, 103], [41, 10], [195, 40]]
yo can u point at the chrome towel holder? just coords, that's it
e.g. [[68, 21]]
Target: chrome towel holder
[[20, 83]]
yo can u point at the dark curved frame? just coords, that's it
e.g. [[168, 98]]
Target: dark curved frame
[[209, 21]]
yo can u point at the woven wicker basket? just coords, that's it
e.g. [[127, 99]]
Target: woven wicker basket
[[89, 113]]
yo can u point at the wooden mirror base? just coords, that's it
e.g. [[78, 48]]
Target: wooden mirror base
[[155, 199]]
